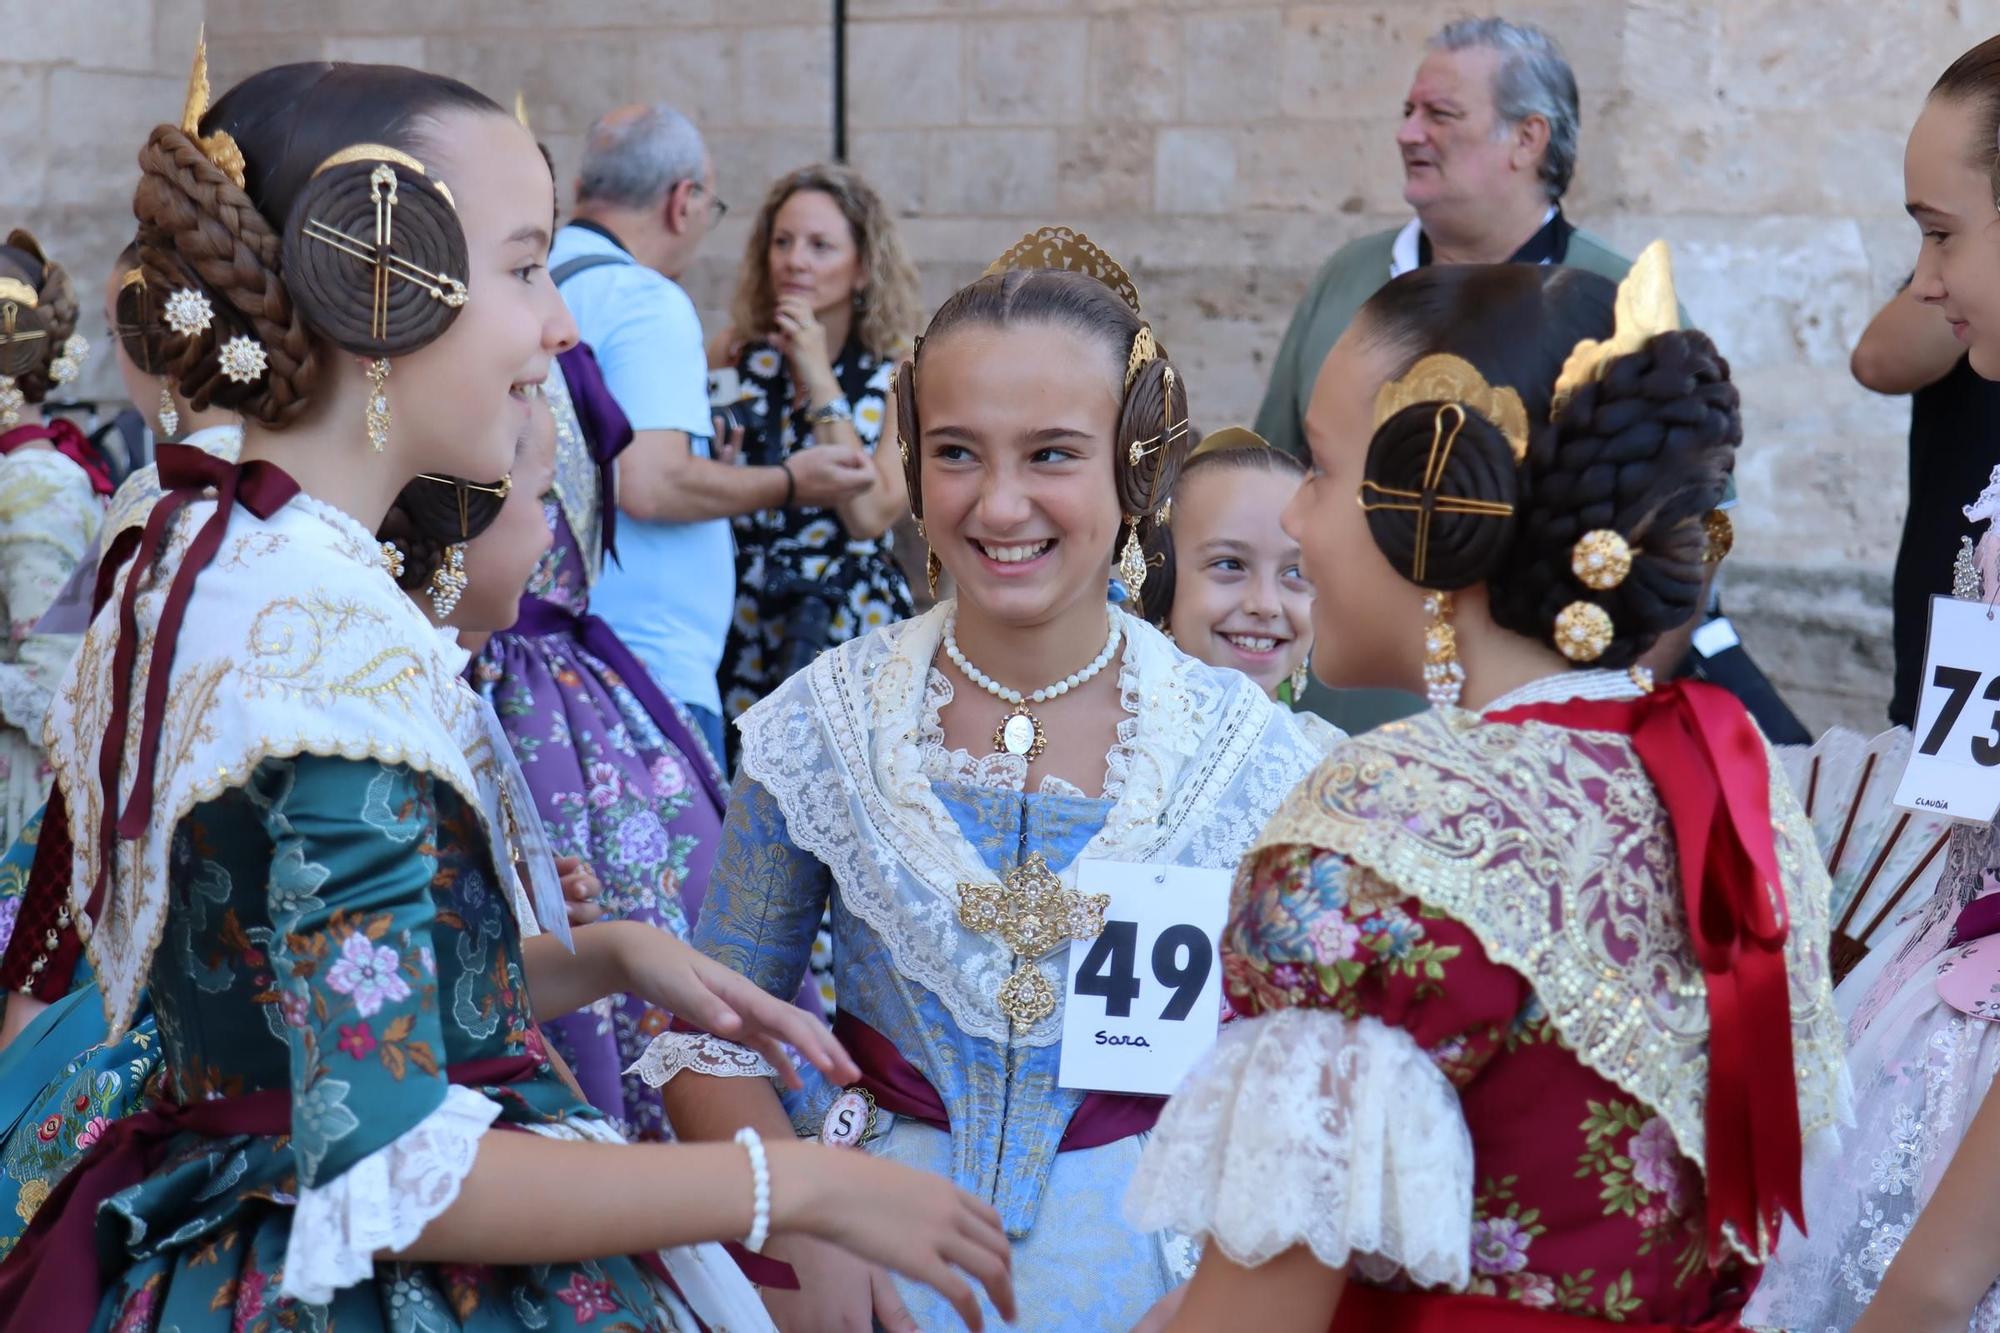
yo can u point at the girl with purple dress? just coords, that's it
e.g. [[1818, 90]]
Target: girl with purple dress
[[619, 772]]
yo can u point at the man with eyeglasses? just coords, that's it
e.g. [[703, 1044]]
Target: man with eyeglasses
[[645, 200]]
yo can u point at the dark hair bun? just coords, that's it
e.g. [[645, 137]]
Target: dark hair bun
[[1462, 548], [1155, 419], [30, 361], [427, 519], [1644, 452], [336, 289], [197, 228]]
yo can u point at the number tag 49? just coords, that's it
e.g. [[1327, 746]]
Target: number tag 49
[[1144, 998], [1954, 768]]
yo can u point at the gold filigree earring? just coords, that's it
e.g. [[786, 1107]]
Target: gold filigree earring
[[12, 400], [170, 416], [1301, 677], [449, 581], [1132, 561], [1444, 674], [378, 404], [392, 559], [932, 566]]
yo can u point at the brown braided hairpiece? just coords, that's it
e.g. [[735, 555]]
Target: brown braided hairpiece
[[374, 253], [196, 223], [35, 322]]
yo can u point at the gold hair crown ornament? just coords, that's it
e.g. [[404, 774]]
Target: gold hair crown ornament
[[20, 293], [1646, 307], [1068, 251], [1144, 351], [1444, 378], [219, 148]]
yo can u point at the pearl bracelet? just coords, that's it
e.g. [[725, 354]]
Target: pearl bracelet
[[760, 1175]]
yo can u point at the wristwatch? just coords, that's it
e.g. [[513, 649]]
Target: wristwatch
[[837, 410]]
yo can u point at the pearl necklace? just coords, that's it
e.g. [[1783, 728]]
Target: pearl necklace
[[1020, 732]]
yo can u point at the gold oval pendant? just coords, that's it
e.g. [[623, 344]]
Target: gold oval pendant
[[1020, 733]]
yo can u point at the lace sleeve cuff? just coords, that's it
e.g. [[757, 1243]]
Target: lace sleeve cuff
[[385, 1200], [1304, 1127], [698, 1053]]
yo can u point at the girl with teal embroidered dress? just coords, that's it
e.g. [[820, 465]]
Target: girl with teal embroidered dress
[[267, 782], [900, 781]]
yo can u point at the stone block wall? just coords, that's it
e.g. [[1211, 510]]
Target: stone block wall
[[1222, 149]]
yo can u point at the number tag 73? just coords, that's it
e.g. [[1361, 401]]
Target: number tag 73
[[1954, 768], [1144, 998]]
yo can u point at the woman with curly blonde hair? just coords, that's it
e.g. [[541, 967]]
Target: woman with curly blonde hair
[[826, 303]]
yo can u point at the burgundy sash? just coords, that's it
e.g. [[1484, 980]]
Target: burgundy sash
[[1706, 758], [900, 1088], [540, 616]]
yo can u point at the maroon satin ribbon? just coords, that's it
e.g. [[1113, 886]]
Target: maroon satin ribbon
[[1707, 760], [900, 1088], [70, 442], [1366, 1309], [185, 472], [54, 1277]]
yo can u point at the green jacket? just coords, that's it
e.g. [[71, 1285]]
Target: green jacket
[[1356, 272]]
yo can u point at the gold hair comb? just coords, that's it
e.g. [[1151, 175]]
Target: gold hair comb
[[219, 148], [1444, 378], [1068, 251], [379, 253], [1646, 307], [1428, 501]]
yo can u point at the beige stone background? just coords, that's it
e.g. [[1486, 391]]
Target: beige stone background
[[1221, 148]]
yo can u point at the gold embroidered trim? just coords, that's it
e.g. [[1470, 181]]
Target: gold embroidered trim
[[1550, 845]]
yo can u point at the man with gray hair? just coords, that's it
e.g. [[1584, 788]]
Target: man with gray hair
[[645, 199], [1488, 142]]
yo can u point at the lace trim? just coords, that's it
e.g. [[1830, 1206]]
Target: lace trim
[[385, 1200], [1009, 772], [698, 1053], [836, 747], [1304, 1127], [1568, 889], [1987, 506]]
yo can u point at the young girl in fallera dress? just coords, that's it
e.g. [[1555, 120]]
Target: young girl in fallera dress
[[901, 775], [340, 983], [1539, 1014]]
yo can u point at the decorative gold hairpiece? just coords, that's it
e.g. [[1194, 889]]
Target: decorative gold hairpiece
[[20, 293], [1144, 351], [521, 110], [1068, 251], [133, 278], [1227, 440], [1444, 378], [379, 253], [219, 148], [1646, 307], [1426, 502]]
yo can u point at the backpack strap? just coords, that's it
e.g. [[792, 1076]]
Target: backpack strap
[[569, 268]]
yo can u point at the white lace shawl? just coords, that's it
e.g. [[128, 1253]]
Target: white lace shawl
[[838, 748], [1306, 1127], [296, 642]]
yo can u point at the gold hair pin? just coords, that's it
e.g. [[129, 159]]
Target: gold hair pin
[[1427, 502], [220, 147], [1144, 351], [1067, 251], [1445, 378], [380, 253], [1646, 307]]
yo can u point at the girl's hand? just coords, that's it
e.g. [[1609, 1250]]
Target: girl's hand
[[581, 890], [670, 973]]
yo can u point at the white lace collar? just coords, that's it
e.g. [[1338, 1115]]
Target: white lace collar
[[1563, 686]]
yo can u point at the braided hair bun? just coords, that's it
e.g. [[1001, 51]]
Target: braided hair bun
[[424, 522], [30, 361], [1464, 461], [337, 290], [1645, 452], [198, 229]]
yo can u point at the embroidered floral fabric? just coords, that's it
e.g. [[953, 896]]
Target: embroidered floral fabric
[[337, 931], [49, 518], [1580, 1200]]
